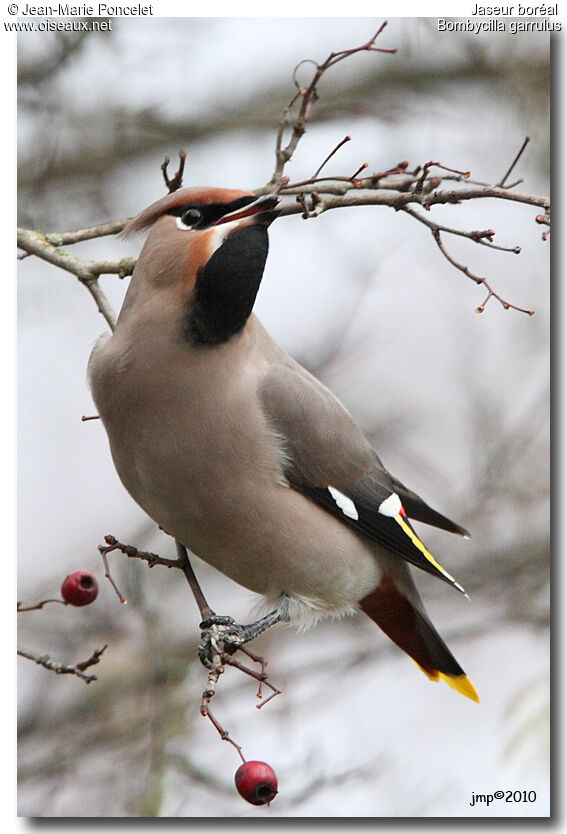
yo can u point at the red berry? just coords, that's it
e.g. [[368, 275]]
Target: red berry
[[79, 588], [256, 782]]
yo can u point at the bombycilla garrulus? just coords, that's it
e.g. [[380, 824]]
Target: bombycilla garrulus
[[242, 455]]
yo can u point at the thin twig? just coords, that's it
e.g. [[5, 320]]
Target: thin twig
[[261, 677], [206, 697], [64, 668], [92, 660], [478, 280], [263, 663], [329, 156], [181, 563], [133, 553], [205, 711], [464, 175], [101, 301], [484, 238], [103, 553], [513, 165], [176, 181], [40, 605], [354, 176]]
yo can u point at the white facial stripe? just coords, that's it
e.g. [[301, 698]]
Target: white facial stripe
[[229, 226], [344, 503], [391, 506]]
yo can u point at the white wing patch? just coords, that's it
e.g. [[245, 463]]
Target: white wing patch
[[344, 503], [391, 506]]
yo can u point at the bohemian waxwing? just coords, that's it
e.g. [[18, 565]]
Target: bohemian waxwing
[[238, 452]]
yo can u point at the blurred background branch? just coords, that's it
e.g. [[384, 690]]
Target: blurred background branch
[[99, 140]]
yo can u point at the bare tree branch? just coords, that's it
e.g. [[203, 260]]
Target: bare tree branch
[[514, 163], [114, 227], [478, 280], [308, 96], [36, 243], [39, 605], [395, 188], [177, 179], [64, 668]]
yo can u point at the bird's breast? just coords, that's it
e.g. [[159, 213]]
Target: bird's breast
[[186, 429]]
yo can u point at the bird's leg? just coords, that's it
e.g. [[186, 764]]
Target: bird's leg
[[221, 635], [185, 565]]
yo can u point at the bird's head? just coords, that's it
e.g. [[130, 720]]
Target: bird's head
[[208, 246], [207, 209]]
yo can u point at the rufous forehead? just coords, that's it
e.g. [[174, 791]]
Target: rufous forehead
[[206, 196]]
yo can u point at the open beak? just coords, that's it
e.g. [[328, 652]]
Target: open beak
[[262, 207]]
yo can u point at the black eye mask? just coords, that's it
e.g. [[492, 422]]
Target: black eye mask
[[198, 216]]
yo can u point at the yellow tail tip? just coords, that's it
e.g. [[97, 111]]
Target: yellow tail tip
[[459, 682], [462, 684]]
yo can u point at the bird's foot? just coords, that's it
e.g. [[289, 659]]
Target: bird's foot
[[222, 635]]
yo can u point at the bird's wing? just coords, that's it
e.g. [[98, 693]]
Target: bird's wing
[[328, 459]]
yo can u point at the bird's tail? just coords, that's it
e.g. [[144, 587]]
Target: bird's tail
[[412, 630]]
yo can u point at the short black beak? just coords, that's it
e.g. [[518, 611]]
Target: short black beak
[[267, 216]]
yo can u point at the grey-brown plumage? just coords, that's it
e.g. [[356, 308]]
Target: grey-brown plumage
[[237, 451]]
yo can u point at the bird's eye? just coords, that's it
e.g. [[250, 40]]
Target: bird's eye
[[191, 217]]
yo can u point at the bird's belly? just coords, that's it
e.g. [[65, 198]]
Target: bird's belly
[[263, 535], [281, 543]]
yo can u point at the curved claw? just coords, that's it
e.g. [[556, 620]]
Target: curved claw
[[219, 636], [222, 635]]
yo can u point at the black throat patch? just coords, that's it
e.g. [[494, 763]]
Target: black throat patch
[[226, 288]]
